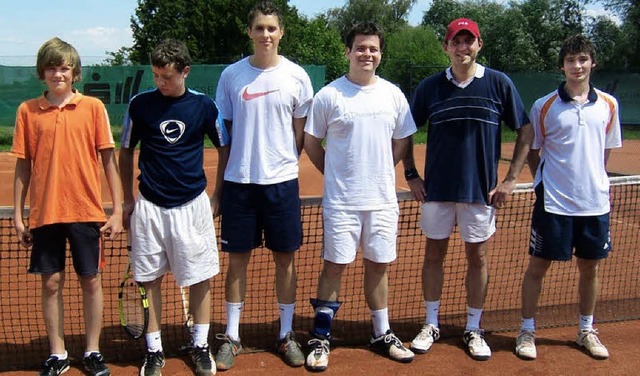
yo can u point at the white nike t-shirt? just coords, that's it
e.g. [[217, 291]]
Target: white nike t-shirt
[[358, 124], [261, 103]]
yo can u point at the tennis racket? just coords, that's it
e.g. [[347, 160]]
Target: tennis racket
[[133, 305], [188, 318]]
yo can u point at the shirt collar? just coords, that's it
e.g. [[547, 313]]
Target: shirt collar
[[565, 97], [478, 74], [44, 103]]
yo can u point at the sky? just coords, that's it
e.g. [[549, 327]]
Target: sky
[[96, 27]]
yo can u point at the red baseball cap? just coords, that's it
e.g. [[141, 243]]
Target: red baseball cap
[[460, 24]]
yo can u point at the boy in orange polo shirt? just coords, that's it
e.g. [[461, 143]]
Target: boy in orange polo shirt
[[59, 140]]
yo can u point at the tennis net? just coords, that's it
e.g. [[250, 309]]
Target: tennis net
[[23, 339]]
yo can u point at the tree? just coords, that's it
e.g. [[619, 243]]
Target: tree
[[411, 54], [314, 43], [389, 14], [511, 47], [610, 44], [629, 13], [215, 31]]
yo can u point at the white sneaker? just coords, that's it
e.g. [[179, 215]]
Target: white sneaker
[[478, 348], [526, 346], [589, 340], [318, 358], [391, 346], [427, 336]]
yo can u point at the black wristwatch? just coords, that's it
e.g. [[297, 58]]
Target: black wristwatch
[[411, 173]]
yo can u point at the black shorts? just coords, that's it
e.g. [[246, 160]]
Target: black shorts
[[248, 210], [50, 244], [554, 236]]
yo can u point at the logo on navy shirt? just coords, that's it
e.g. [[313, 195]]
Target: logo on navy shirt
[[172, 130]]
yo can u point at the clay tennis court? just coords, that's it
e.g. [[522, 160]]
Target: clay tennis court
[[557, 354]]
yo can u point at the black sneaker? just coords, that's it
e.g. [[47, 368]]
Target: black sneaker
[[54, 366], [389, 345], [94, 364], [153, 363], [203, 360]]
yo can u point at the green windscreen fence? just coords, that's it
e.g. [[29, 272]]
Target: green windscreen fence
[[113, 85], [116, 85], [625, 87]]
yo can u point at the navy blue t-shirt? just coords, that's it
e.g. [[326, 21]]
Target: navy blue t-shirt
[[171, 133], [463, 134]]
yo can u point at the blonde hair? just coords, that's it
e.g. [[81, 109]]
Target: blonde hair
[[56, 52]]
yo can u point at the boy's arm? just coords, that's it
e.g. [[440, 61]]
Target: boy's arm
[[21, 181], [498, 195], [223, 159], [298, 132], [315, 151], [125, 161], [533, 160], [113, 227], [415, 182], [400, 148]]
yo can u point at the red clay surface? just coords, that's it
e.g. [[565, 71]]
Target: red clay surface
[[557, 353]]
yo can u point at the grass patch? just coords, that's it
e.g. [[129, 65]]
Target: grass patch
[[6, 138]]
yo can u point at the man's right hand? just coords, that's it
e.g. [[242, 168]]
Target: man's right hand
[[417, 189], [127, 210], [24, 235]]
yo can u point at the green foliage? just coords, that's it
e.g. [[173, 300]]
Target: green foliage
[[6, 137], [519, 36], [214, 30], [409, 49], [610, 44], [389, 14], [313, 43]]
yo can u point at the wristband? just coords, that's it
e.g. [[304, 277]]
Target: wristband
[[411, 173]]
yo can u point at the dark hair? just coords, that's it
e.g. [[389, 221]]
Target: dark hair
[[171, 52], [264, 7], [56, 52], [574, 45], [364, 28]]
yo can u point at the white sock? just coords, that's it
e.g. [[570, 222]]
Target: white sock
[[87, 353], [473, 318], [286, 318], [586, 322], [62, 356], [233, 320], [200, 335], [528, 325], [154, 341], [380, 319], [432, 308]]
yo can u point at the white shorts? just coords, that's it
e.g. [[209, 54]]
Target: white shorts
[[345, 230], [476, 222], [181, 240]]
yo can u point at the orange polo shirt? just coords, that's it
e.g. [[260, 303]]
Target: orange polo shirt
[[63, 147]]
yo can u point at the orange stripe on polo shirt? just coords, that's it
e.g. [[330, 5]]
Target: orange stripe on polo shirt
[[543, 112], [612, 111]]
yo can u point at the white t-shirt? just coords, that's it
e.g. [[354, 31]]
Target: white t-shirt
[[358, 123], [573, 138], [261, 103]]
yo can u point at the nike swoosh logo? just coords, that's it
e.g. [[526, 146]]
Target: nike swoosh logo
[[171, 130], [249, 96]]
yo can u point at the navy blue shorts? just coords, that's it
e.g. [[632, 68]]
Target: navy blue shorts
[[249, 210], [50, 245], [554, 237]]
